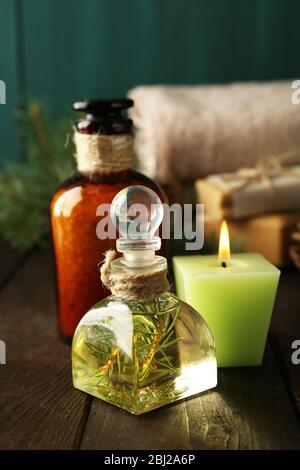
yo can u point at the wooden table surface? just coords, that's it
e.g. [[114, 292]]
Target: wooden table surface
[[252, 408]]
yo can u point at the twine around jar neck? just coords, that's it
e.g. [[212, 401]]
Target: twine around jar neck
[[133, 286], [96, 153]]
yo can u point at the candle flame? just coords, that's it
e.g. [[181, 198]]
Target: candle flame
[[224, 243]]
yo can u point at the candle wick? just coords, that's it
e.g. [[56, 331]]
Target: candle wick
[[223, 264]]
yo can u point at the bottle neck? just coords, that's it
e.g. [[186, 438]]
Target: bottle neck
[[112, 125], [134, 283], [104, 154], [139, 258], [141, 262]]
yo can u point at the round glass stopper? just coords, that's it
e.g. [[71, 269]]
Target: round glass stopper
[[137, 212]]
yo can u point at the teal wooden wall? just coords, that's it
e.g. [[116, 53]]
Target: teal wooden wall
[[62, 50]]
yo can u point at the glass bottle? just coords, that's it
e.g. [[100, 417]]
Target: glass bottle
[[77, 248], [135, 349]]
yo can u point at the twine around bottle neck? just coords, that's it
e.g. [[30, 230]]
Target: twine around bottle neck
[[96, 153], [129, 285]]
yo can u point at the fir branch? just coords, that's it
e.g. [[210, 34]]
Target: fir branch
[[154, 345], [26, 188], [39, 127]]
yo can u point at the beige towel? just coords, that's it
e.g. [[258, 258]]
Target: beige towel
[[189, 132]]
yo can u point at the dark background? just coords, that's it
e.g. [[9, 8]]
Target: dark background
[[63, 50]]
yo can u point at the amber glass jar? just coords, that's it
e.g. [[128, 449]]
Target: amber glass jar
[[104, 153]]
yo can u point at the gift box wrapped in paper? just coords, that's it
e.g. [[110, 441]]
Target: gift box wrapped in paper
[[250, 192], [269, 235]]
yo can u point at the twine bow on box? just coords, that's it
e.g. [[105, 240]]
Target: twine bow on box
[[266, 170]]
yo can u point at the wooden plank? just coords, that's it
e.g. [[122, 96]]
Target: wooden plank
[[285, 329], [10, 260], [39, 407], [250, 409]]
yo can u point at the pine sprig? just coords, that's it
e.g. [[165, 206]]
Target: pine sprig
[[155, 345], [26, 188]]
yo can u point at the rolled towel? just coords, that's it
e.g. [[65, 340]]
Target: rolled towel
[[189, 132]]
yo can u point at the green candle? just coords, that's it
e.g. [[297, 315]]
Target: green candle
[[235, 297]]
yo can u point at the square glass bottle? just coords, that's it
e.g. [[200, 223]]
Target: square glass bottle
[[141, 347]]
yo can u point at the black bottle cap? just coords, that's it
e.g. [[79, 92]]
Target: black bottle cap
[[104, 116], [103, 107]]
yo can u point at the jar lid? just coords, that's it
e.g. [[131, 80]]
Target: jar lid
[[104, 116], [100, 107]]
